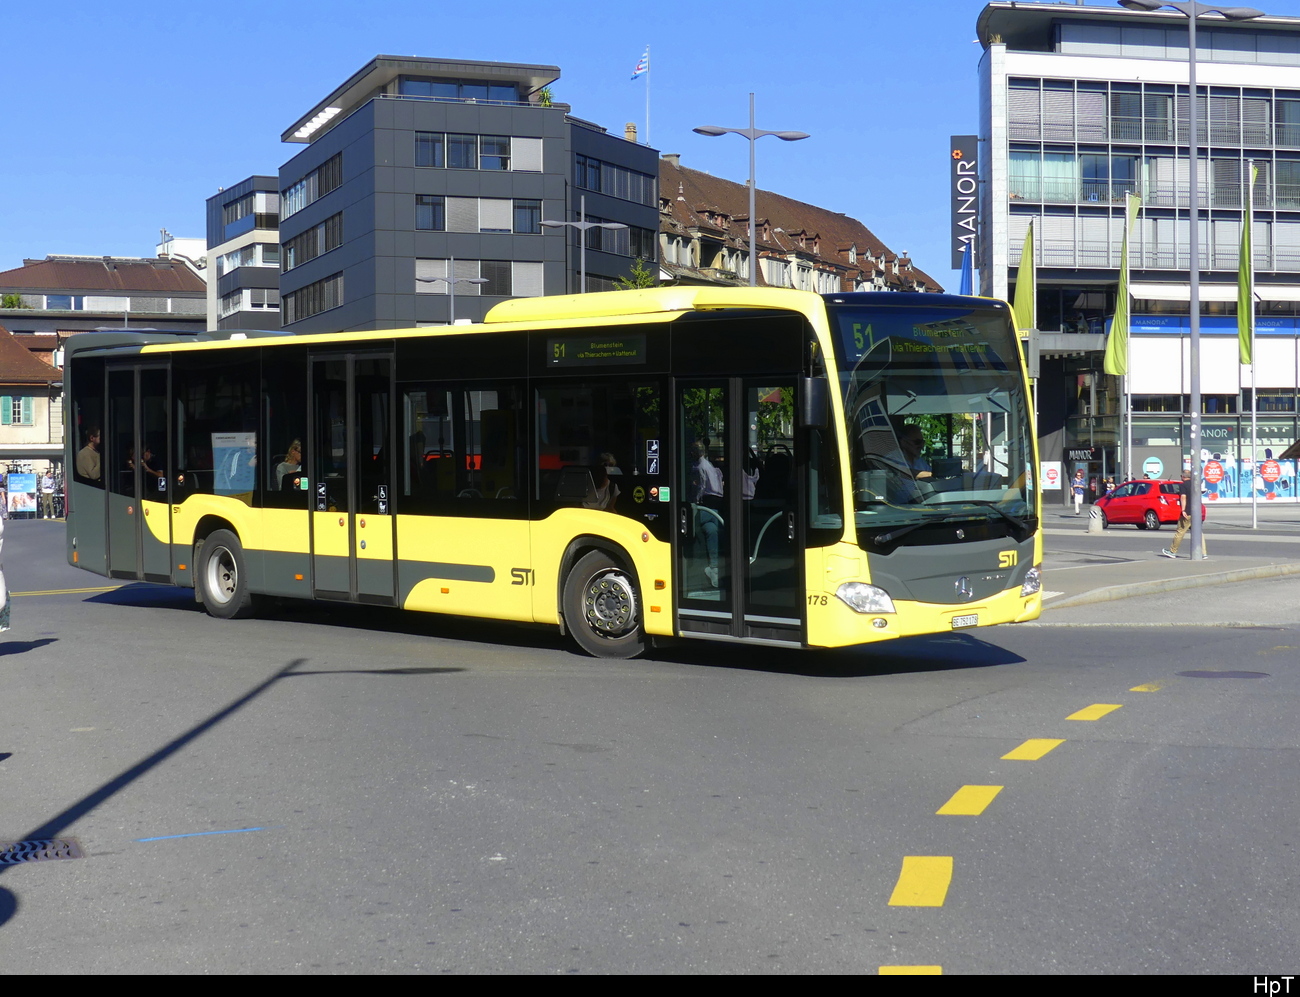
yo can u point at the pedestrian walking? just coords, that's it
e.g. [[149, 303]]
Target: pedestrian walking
[[1184, 520], [47, 495], [1077, 486]]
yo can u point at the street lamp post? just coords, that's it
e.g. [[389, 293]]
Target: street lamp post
[[753, 134], [1193, 10], [451, 280], [582, 225]]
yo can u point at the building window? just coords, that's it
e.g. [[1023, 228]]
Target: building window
[[521, 279], [630, 241], [316, 241], [313, 299], [462, 152], [468, 90], [494, 214], [528, 217], [315, 185], [17, 410], [497, 274], [494, 152], [616, 181], [236, 210], [230, 303], [430, 213], [429, 149], [264, 297]]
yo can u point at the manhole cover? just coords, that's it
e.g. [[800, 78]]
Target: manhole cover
[[1224, 675], [17, 852]]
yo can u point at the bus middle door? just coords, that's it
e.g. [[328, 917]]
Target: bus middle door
[[353, 539]]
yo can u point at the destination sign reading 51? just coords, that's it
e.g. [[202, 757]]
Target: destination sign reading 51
[[584, 351]]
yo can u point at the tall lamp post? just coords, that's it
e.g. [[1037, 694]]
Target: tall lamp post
[[583, 226], [451, 281], [753, 134], [1192, 10]]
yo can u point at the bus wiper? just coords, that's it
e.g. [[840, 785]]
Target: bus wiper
[[886, 538]]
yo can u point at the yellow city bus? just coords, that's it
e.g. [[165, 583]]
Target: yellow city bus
[[756, 465]]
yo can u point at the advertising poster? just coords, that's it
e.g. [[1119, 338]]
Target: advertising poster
[[1227, 477], [234, 462], [1050, 471], [22, 494]]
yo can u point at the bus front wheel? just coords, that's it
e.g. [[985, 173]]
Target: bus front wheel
[[602, 608], [223, 577]]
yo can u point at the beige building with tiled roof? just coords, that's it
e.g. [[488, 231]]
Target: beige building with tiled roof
[[31, 409], [704, 239]]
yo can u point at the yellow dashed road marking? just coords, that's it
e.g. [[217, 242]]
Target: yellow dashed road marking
[[1033, 749], [1148, 687], [1095, 712], [969, 801], [101, 588], [923, 881], [911, 970]]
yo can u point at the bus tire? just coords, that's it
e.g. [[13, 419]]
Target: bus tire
[[222, 578], [602, 607]]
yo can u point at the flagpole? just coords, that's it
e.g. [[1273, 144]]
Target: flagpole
[[647, 95]]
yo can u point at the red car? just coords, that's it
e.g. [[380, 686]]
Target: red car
[[1146, 503]]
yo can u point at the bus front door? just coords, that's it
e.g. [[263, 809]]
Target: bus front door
[[737, 503], [135, 447], [353, 540]]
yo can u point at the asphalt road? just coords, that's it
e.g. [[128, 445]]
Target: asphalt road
[[414, 794]]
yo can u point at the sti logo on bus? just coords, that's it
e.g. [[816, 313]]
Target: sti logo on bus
[[1008, 559], [521, 576]]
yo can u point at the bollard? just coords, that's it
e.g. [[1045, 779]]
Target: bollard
[[1095, 520]]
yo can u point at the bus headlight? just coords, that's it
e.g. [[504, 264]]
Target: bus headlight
[[1033, 581], [863, 598]]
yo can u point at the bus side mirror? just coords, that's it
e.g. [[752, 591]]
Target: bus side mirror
[[814, 403]]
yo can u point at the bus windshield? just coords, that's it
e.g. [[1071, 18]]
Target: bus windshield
[[938, 424]]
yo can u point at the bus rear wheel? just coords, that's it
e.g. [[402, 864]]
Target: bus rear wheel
[[222, 577], [602, 608]]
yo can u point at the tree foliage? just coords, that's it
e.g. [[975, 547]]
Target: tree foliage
[[642, 277]]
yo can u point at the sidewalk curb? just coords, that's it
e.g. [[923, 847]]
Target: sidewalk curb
[[1112, 592]]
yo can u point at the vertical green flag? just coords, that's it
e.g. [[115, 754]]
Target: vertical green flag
[[1116, 361], [1026, 286], [1246, 278]]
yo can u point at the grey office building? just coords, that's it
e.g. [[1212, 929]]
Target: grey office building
[[413, 163]]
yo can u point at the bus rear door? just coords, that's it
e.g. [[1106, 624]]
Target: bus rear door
[[135, 446]]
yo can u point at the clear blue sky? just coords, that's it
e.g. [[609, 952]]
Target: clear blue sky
[[123, 118]]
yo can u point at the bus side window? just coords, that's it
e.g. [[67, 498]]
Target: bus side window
[[825, 500], [594, 442], [463, 450], [88, 420], [282, 456], [217, 426]]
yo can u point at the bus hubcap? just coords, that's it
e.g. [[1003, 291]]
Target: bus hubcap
[[222, 575], [611, 605]]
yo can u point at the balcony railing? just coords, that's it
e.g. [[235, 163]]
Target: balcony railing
[[1281, 196], [1164, 131]]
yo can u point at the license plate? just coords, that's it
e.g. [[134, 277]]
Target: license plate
[[965, 621]]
